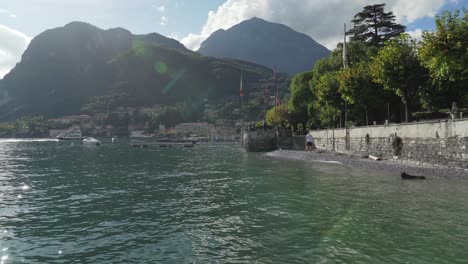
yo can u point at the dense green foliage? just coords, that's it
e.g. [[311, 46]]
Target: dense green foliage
[[279, 116], [360, 92], [444, 54], [299, 101], [385, 82], [398, 69], [374, 26]]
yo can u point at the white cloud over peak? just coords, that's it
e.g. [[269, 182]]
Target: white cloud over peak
[[161, 8], [12, 45], [7, 12], [322, 20], [164, 21]]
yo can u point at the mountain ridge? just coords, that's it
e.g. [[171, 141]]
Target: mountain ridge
[[64, 68], [265, 43]]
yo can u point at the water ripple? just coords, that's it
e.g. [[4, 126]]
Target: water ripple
[[116, 204]]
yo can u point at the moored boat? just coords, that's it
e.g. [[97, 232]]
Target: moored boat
[[91, 141], [71, 134], [140, 135]]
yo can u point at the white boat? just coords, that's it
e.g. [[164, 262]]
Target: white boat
[[71, 134], [91, 141], [140, 135], [114, 139]]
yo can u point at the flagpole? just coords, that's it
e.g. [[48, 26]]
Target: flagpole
[[346, 102], [241, 94], [265, 99], [276, 107], [344, 67], [276, 98]]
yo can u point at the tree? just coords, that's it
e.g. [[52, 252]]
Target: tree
[[278, 116], [374, 26], [324, 72], [301, 98], [444, 53], [356, 52], [358, 89], [328, 115], [398, 69], [329, 102]]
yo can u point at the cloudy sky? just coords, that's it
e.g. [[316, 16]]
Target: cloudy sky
[[192, 21]]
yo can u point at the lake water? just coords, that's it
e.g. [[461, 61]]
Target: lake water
[[63, 203]]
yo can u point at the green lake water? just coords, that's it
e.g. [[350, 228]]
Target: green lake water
[[63, 203]]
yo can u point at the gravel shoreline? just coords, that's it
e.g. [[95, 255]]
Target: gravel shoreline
[[435, 171]]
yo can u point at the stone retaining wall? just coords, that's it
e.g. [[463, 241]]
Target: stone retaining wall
[[285, 140], [263, 141], [259, 141], [444, 143]]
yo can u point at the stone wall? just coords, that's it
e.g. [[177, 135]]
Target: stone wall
[[259, 141], [263, 141], [285, 140], [299, 142], [441, 142]]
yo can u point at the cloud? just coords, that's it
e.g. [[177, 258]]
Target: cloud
[[7, 12], [409, 11], [161, 8], [175, 35], [12, 45], [164, 21], [416, 34], [322, 20]]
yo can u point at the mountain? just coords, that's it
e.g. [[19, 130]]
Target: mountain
[[265, 43], [65, 68]]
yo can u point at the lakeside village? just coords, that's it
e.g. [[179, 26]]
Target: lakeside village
[[120, 124]]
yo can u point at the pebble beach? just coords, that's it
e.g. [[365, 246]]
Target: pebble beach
[[397, 167]]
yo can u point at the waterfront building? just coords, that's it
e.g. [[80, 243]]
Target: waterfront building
[[202, 129]]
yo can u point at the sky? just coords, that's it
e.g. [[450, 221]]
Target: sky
[[192, 21]]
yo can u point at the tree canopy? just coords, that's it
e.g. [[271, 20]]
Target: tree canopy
[[444, 53], [398, 69], [374, 26]]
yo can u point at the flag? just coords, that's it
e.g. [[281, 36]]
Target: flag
[[276, 87], [344, 48], [274, 74], [241, 93]]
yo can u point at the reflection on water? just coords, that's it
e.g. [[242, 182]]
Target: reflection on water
[[116, 204]]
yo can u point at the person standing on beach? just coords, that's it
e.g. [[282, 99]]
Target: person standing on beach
[[309, 143]]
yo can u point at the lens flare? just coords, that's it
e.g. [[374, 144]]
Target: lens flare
[[174, 80], [160, 67], [139, 47]]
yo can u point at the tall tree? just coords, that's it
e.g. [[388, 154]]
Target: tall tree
[[329, 101], [374, 26], [301, 98], [279, 116], [358, 89], [445, 54], [398, 69], [324, 86]]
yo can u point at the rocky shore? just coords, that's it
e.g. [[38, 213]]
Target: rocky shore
[[434, 171]]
